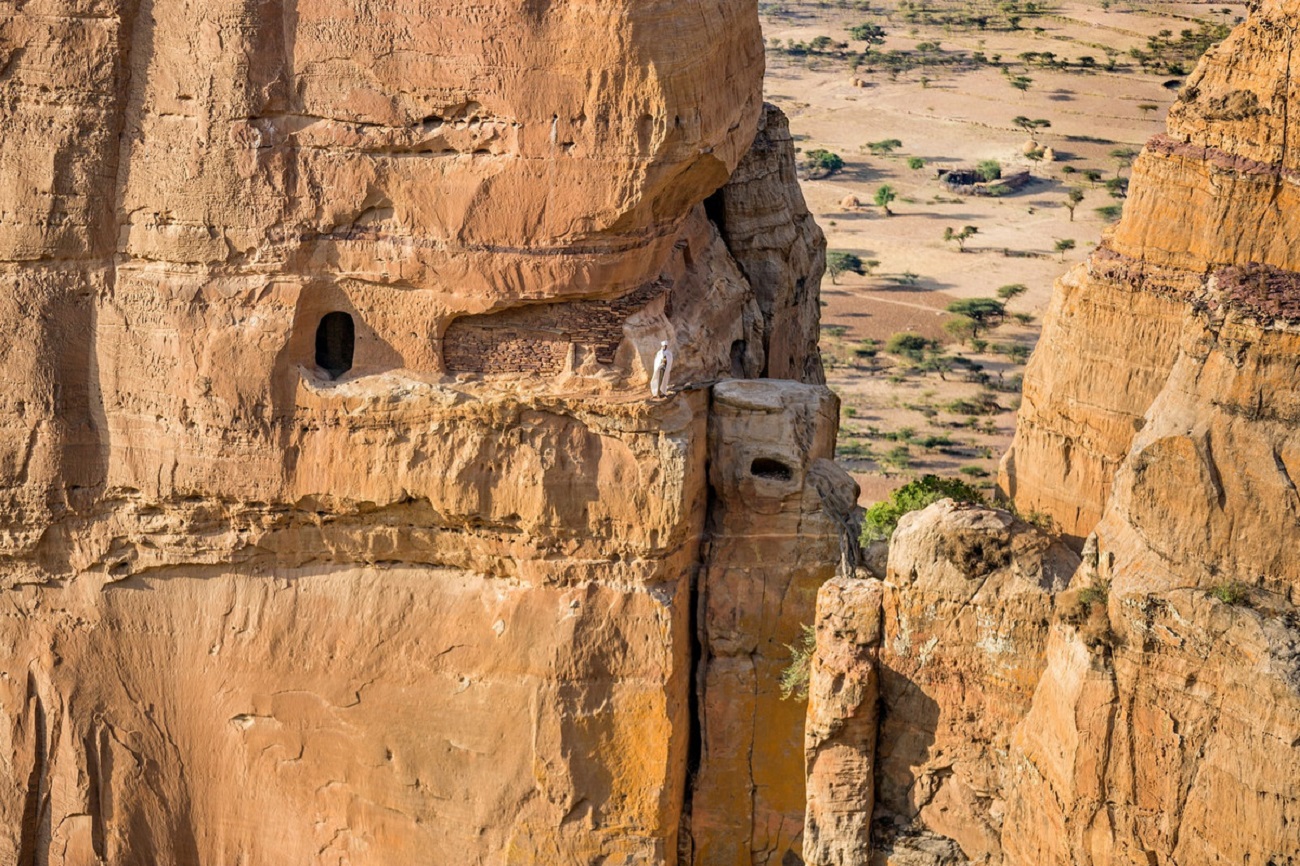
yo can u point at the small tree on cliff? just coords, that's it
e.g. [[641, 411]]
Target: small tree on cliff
[[882, 518], [794, 679]]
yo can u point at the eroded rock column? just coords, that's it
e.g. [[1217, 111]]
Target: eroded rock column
[[843, 723], [779, 509]]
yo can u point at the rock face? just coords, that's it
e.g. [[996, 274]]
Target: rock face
[[1161, 743], [843, 722], [762, 216], [922, 679], [774, 491], [1150, 712], [1206, 245], [338, 525]]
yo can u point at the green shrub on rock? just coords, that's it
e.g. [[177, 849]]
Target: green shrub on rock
[[882, 518]]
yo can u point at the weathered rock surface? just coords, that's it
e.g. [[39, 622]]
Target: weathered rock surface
[[1166, 738], [779, 509], [766, 224], [958, 648], [1208, 236], [843, 723], [338, 526]]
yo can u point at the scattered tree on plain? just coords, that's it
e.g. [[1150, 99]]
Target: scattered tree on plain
[[907, 345], [885, 195], [1029, 125], [961, 328], [1072, 200], [1064, 246], [872, 34], [984, 312], [960, 237], [840, 262], [1123, 157], [884, 147], [822, 163]]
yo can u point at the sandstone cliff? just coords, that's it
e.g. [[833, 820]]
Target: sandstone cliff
[[338, 526], [1143, 707]]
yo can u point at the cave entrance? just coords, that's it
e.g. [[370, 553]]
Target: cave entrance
[[336, 338], [773, 470]]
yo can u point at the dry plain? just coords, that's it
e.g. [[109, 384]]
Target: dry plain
[[953, 85]]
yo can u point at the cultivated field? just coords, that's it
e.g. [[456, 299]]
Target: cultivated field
[[1067, 91]]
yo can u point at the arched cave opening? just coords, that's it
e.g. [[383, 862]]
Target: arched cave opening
[[336, 338], [775, 470]]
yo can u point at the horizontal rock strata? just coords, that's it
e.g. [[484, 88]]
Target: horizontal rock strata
[[338, 524]]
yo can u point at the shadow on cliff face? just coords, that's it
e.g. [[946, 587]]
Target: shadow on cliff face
[[908, 720]]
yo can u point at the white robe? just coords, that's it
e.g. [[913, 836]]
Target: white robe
[[663, 370]]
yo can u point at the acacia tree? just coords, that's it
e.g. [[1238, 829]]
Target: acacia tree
[[822, 163], [1072, 200], [983, 312], [1029, 125], [960, 237], [1064, 246], [885, 195], [1123, 157], [961, 328], [839, 262], [872, 34], [884, 147]]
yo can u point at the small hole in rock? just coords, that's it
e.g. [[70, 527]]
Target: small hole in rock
[[766, 467]]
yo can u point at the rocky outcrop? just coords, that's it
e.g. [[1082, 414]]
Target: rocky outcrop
[[1157, 740], [843, 723], [338, 524], [779, 511], [766, 224], [1149, 713], [1206, 239], [930, 672]]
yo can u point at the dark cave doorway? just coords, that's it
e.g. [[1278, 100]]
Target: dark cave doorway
[[336, 338]]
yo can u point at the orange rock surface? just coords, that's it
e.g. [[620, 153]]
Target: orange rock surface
[[338, 524]]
